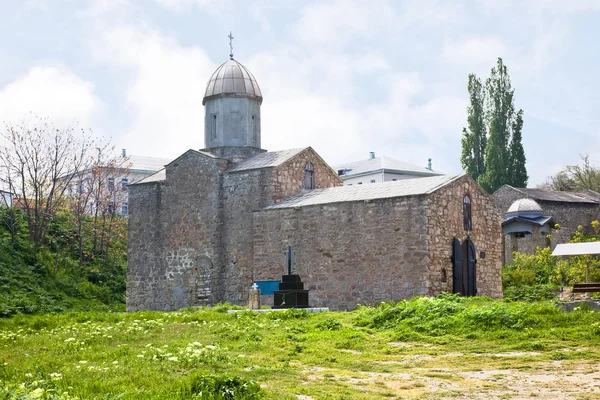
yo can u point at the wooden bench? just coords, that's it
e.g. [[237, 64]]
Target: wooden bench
[[586, 287]]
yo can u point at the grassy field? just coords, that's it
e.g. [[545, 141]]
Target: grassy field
[[445, 347]]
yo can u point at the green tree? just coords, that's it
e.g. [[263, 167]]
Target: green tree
[[517, 171], [576, 178], [475, 135], [492, 148]]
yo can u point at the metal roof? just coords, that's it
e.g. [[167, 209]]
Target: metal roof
[[565, 197], [576, 249], [373, 191], [232, 78], [525, 205], [149, 164], [385, 164], [158, 176], [266, 160]]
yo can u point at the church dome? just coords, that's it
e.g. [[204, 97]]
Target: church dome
[[232, 78], [525, 207]]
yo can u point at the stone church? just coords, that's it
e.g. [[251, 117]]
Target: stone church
[[215, 220]]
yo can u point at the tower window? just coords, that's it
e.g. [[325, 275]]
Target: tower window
[[214, 126], [309, 176], [254, 128], [468, 224]]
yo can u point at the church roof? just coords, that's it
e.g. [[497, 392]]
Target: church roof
[[525, 205], [266, 160], [373, 191], [232, 78], [382, 164], [587, 196], [146, 164], [158, 176]]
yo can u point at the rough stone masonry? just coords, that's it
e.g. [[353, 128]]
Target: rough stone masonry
[[213, 221]]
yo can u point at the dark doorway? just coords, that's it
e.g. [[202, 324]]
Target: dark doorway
[[464, 267]]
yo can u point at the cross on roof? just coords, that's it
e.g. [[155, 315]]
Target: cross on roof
[[230, 45]]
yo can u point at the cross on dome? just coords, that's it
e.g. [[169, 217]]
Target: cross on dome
[[230, 45]]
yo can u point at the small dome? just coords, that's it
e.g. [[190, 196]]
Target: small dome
[[232, 78], [525, 206]]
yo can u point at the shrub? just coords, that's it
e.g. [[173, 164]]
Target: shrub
[[529, 293], [226, 387]]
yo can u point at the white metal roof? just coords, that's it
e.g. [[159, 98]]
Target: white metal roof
[[267, 159], [576, 249], [372, 191], [386, 164], [142, 163], [158, 176]]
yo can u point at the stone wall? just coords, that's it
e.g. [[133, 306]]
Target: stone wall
[[348, 253], [243, 193], [445, 221], [527, 244], [289, 177], [251, 190], [175, 245], [569, 216]]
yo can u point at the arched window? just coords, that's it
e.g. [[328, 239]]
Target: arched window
[[309, 176], [467, 213]]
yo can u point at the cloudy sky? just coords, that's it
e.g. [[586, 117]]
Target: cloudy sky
[[344, 76]]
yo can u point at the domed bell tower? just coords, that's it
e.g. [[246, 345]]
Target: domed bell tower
[[232, 112]]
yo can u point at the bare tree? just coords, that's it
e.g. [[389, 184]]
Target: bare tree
[[575, 178], [95, 196], [40, 162]]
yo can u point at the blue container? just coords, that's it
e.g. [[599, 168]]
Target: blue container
[[267, 287]]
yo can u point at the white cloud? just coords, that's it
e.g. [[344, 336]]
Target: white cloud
[[332, 24], [474, 52], [53, 92], [165, 89], [213, 6]]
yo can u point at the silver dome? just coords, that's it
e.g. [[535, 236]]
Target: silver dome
[[525, 206], [232, 78]]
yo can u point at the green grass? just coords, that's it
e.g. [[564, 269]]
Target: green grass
[[423, 348]]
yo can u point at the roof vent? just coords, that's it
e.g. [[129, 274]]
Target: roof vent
[[372, 155], [429, 164]]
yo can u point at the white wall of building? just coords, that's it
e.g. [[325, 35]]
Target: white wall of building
[[376, 177]]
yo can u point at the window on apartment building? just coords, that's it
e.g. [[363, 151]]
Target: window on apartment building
[[214, 126], [124, 183], [467, 213], [309, 176], [80, 188], [111, 208], [111, 184], [124, 209]]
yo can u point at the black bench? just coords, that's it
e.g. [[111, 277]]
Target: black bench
[[586, 287]]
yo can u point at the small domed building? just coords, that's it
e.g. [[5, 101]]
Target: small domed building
[[215, 220], [525, 227]]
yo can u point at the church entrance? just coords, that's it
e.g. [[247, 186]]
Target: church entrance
[[464, 267]]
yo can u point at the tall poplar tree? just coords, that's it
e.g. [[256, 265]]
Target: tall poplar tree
[[474, 136], [495, 130], [517, 172]]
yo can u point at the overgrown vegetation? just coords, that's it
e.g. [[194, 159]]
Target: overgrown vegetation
[[539, 276], [50, 277], [408, 349]]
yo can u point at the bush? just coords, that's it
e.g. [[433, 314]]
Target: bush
[[530, 293], [226, 387]]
